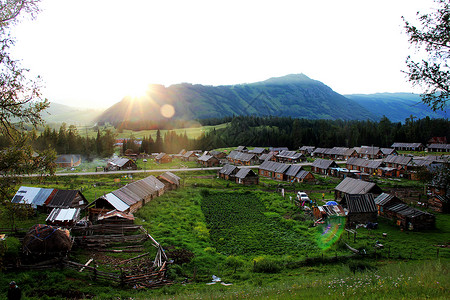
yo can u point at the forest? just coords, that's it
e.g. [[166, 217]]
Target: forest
[[242, 130]]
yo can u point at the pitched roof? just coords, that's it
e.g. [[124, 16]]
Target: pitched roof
[[241, 148], [406, 145], [360, 203], [242, 156], [228, 169], [257, 150], [64, 198], [323, 163], [244, 172], [307, 148], [205, 157], [387, 151], [405, 210], [302, 174], [266, 156], [116, 202], [120, 161], [397, 159], [385, 198], [32, 195], [170, 177], [161, 155], [361, 162], [293, 170], [274, 166], [440, 146], [188, 154], [289, 154], [355, 186]]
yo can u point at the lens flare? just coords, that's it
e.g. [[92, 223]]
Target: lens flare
[[330, 231], [167, 111]]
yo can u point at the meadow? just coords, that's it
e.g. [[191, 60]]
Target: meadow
[[261, 243]]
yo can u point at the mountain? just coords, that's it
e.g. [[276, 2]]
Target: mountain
[[58, 113], [293, 95], [396, 106]]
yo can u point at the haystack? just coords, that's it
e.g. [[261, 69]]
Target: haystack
[[45, 239]]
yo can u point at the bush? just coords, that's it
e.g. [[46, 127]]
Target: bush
[[266, 265]]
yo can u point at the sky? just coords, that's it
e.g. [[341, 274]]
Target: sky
[[94, 53]]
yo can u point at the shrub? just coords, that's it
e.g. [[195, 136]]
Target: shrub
[[266, 265]]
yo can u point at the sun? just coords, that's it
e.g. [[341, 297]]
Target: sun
[[137, 90]]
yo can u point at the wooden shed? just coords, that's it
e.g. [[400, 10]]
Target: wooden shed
[[409, 218], [170, 180], [385, 200], [355, 186], [163, 158], [246, 176], [121, 163], [228, 172], [361, 208], [208, 160], [323, 166]]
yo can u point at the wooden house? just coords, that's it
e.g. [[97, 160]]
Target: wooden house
[[274, 170], [180, 154], [364, 165], [292, 172], [306, 150], [439, 192], [438, 148], [409, 218], [267, 156], [163, 158], [218, 154], [353, 186], [242, 149], [385, 200], [189, 156], [121, 163], [246, 176], [369, 152], [258, 151], [170, 181], [68, 160], [323, 166], [388, 151], [208, 160], [304, 176], [408, 146], [242, 158], [287, 156], [227, 172], [399, 163], [361, 208], [67, 199]]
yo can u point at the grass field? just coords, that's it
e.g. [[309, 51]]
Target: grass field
[[261, 243]]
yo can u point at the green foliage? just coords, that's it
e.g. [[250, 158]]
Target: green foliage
[[240, 225], [266, 265]]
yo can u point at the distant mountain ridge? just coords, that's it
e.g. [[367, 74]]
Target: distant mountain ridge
[[396, 106], [294, 95], [58, 113]]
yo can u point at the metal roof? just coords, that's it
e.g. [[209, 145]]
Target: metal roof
[[120, 161], [25, 195], [324, 163], [205, 157], [289, 154], [161, 155], [359, 203], [63, 214], [153, 181], [274, 166], [170, 177], [228, 169], [116, 202], [257, 150], [293, 170], [64, 198], [439, 146], [385, 198], [361, 162], [406, 145], [244, 172], [397, 159], [127, 196], [355, 186], [405, 210], [302, 174]]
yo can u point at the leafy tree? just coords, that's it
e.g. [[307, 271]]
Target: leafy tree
[[21, 103], [432, 73]]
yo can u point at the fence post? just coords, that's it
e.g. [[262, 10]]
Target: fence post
[[389, 251], [437, 253], [95, 272], [122, 277]]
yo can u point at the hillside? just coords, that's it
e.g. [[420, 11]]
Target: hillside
[[293, 95], [58, 113], [396, 106]]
